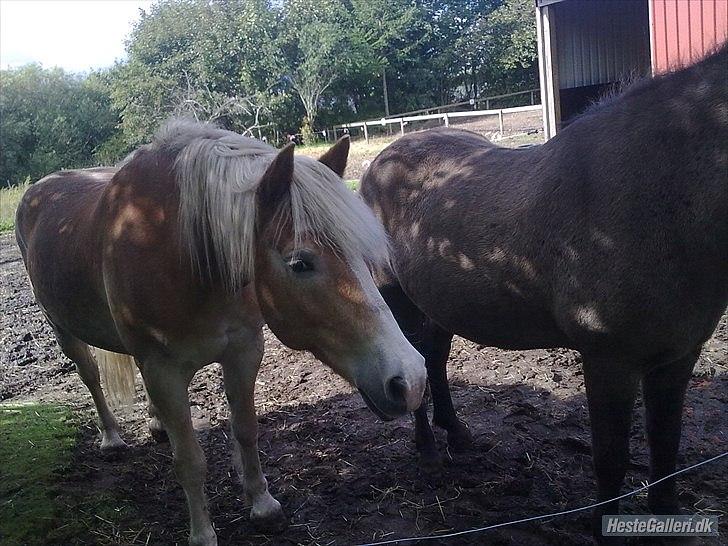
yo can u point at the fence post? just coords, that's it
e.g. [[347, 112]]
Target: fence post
[[366, 133], [401, 126], [532, 103], [335, 136], [500, 120], [487, 104], [446, 119]]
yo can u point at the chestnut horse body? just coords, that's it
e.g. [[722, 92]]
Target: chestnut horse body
[[611, 238], [180, 256]]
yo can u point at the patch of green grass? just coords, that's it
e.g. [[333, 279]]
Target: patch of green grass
[[36, 442], [353, 184], [9, 200]]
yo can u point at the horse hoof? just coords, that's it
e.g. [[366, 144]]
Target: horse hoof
[[431, 464], [460, 439], [208, 538], [112, 442], [272, 524], [159, 435]]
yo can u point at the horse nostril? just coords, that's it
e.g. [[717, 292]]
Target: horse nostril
[[397, 389]]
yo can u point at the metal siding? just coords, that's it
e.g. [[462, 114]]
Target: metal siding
[[600, 42], [684, 30]]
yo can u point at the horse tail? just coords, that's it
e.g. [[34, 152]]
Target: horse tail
[[118, 374]]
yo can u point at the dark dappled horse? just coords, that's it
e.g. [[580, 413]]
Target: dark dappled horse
[[179, 257], [611, 238]]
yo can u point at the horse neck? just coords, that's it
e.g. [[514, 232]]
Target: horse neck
[[694, 101], [660, 124]]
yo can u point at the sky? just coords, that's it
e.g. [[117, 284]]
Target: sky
[[78, 35]]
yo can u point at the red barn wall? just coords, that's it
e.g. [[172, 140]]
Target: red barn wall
[[682, 31]]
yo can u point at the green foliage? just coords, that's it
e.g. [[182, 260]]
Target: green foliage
[[499, 49], [211, 60], [315, 49], [49, 120], [265, 65], [9, 201]]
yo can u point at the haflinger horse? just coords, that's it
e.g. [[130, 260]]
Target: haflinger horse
[[179, 258], [611, 238]]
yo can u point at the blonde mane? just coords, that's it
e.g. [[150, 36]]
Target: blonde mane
[[218, 173]]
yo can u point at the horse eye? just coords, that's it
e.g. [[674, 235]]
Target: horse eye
[[300, 266]]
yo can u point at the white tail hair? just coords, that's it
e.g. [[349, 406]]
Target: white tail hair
[[118, 374]]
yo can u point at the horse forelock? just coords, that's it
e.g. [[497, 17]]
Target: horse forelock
[[218, 173]]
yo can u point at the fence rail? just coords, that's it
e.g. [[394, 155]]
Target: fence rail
[[445, 117], [471, 102]]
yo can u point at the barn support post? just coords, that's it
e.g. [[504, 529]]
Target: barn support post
[[547, 70]]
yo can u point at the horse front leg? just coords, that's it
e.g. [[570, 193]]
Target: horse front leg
[[611, 390], [444, 416], [430, 459], [166, 383], [240, 365]]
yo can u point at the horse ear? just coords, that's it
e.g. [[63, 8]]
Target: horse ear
[[276, 182], [336, 157]]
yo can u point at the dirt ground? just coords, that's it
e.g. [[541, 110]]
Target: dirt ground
[[342, 476]]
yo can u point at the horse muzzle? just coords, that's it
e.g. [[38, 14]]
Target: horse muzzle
[[396, 397]]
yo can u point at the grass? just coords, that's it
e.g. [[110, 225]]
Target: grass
[[360, 153], [9, 199], [37, 442]]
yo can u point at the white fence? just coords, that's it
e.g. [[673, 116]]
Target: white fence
[[445, 117]]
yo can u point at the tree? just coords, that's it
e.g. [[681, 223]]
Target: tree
[[298, 64], [500, 48], [382, 27], [314, 42], [50, 120], [213, 60], [314, 69]]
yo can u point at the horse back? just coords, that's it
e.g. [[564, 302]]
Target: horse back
[[584, 242], [465, 250]]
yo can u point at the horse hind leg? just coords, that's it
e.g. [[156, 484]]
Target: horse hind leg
[[156, 427], [664, 393], [80, 354], [611, 390]]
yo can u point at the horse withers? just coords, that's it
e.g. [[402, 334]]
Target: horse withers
[[611, 238], [178, 259]]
